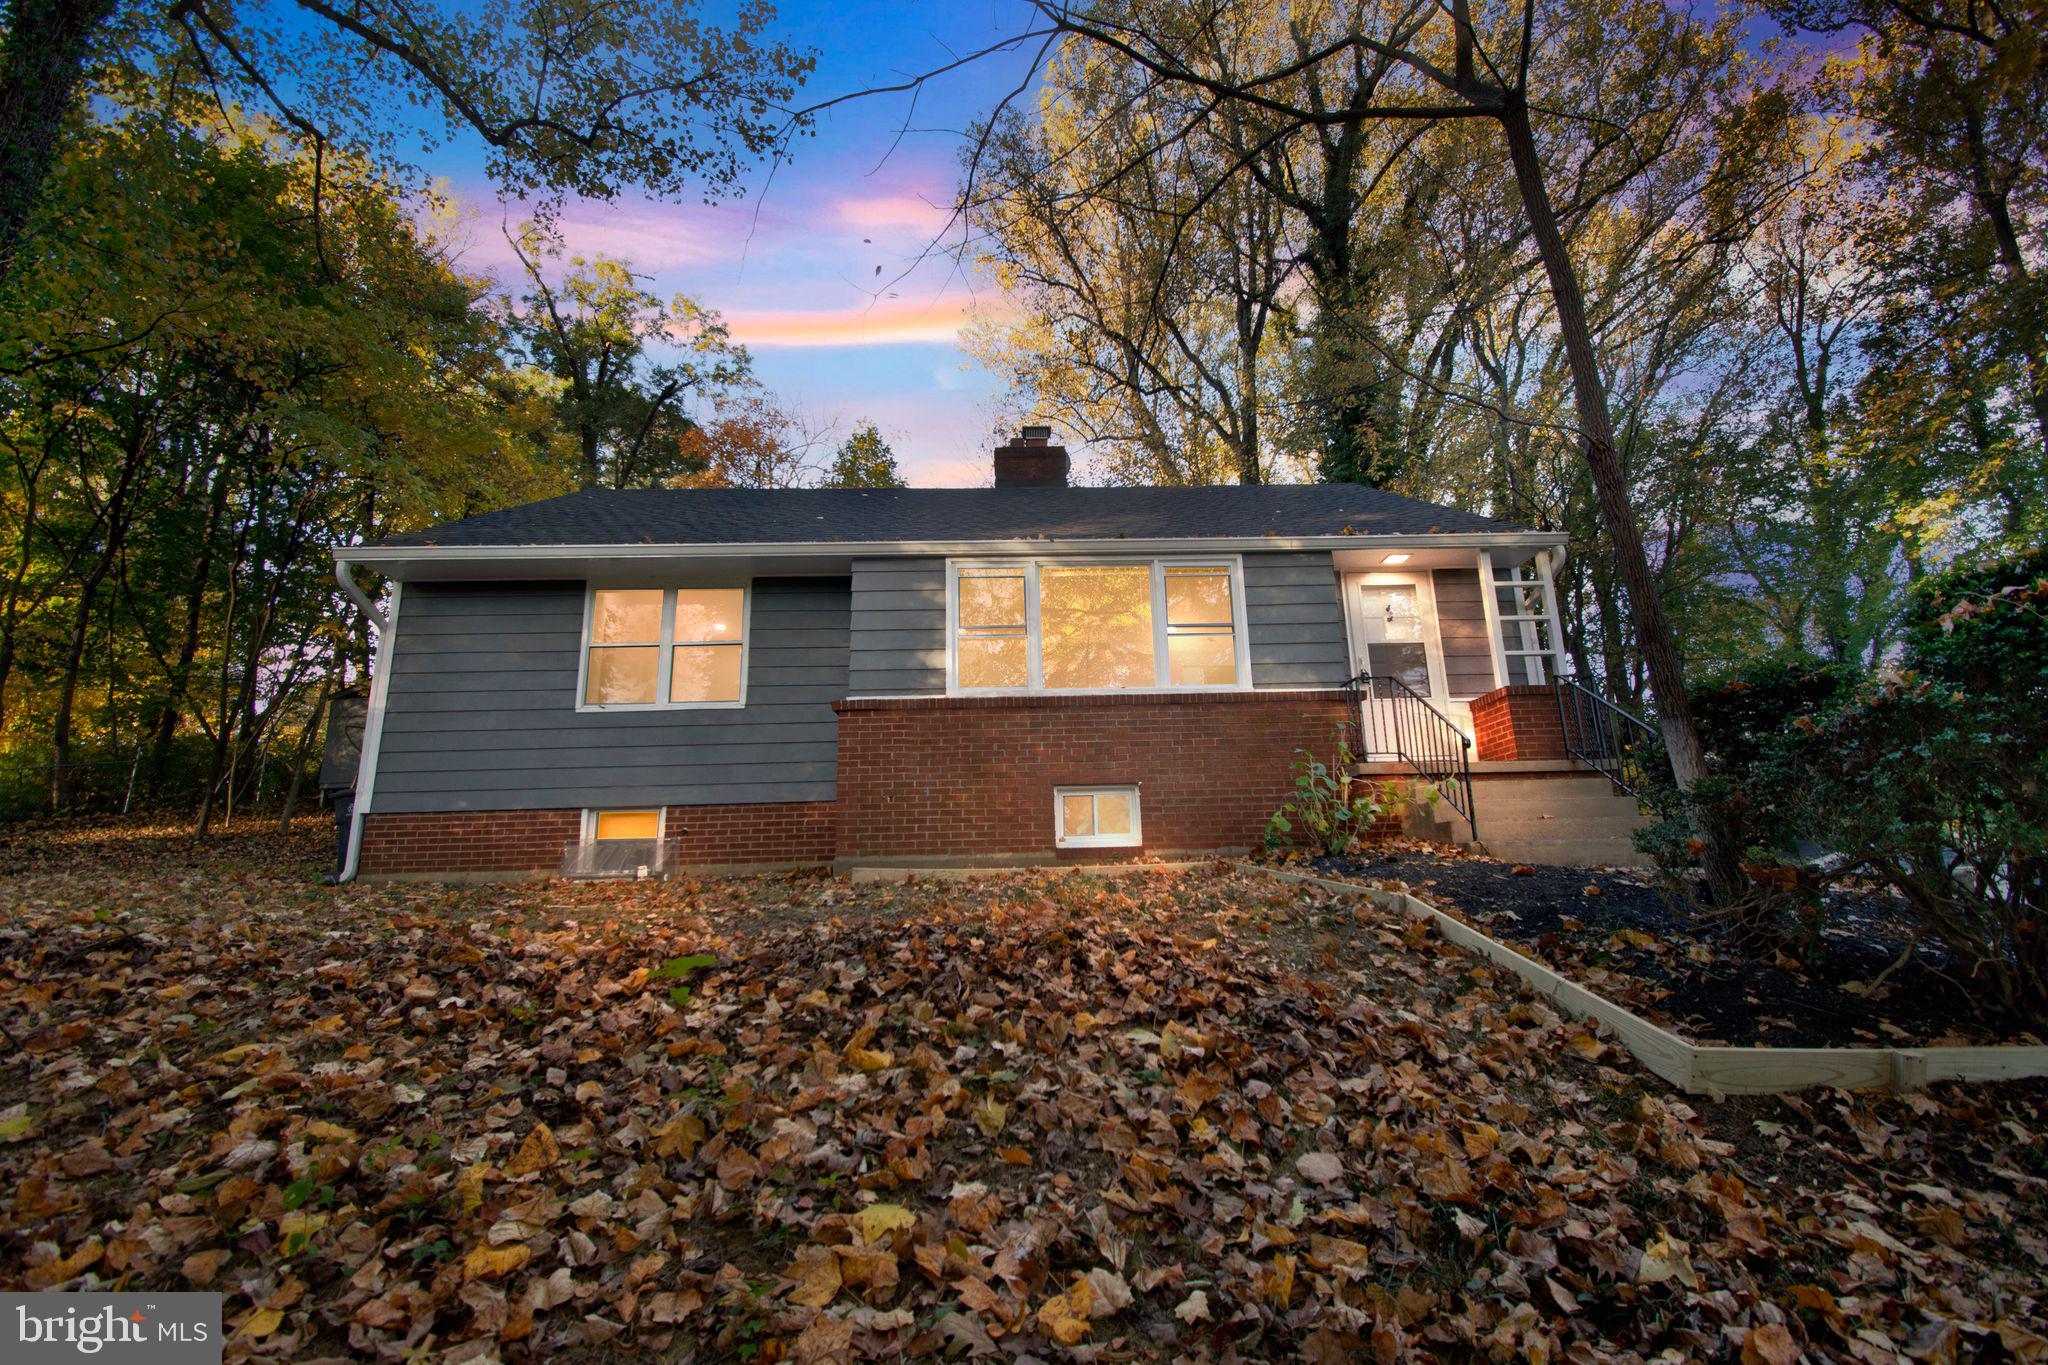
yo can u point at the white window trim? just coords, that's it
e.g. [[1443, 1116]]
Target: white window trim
[[1489, 586], [1134, 839], [590, 814], [666, 646], [1240, 622]]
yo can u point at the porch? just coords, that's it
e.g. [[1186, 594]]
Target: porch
[[1459, 695]]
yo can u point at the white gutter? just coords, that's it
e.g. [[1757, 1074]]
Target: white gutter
[[373, 725], [379, 555]]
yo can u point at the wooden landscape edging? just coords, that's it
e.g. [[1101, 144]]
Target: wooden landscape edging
[[1710, 1069]]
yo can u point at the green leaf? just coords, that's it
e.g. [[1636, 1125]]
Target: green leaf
[[679, 996], [14, 1129], [677, 967], [299, 1191]]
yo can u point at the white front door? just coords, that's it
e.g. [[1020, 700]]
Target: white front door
[[1393, 638]]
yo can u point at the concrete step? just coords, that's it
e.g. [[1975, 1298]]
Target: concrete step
[[1600, 852], [1577, 811], [1522, 817], [1548, 790], [1540, 814]]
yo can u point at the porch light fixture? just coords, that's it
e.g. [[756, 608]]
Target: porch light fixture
[[1397, 558]]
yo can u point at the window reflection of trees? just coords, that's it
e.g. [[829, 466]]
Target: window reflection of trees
[[1095, 626]]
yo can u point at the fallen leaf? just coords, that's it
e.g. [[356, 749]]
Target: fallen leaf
[[1320, 1167], [539, 1152], [816, 1272], [1064, 1317], [486, 1262], [1769, 1344], [879, 1220]]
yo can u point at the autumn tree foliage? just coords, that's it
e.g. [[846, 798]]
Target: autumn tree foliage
[[204, 384], [864, 460], [751, 440], [582, 98]]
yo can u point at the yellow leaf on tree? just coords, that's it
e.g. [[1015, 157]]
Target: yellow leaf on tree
[[1064, 1317], [879, 1220], [486, 1262], [537, 1153]]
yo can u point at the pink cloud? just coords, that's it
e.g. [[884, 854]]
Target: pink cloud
[[890, 323], [895, 211]]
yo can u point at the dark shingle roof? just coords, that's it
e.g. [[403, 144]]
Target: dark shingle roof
[[739, 516]]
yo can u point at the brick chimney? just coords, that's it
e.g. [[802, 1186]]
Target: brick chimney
[[1031, 461]]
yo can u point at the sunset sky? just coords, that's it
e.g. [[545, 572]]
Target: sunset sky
[[793, 264]]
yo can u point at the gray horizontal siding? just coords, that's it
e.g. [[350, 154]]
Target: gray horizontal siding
[[898, 644], [899, 624], [482, 714], [1296, 620], [1461, 621]]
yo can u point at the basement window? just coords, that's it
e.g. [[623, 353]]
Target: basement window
[[1096, 817], [616, 826]]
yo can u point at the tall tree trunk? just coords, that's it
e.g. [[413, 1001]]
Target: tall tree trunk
[[63, 787], [1248, 340], [1654, 637], [165, 726], [1996, 204], [42, 62], [305, 745]]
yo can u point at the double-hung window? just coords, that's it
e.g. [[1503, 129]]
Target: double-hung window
[[1055, 625], [664, 647]]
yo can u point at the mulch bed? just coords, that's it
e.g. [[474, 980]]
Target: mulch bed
[[1624, 935]]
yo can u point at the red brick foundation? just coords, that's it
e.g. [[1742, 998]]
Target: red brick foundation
[[466, 841], [458, 842], [973, 777], [791, 832], [1518, 722]]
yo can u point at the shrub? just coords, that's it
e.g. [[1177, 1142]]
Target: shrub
[[1945, 798], [1329, 809], [1755, 722], [1936, 780]]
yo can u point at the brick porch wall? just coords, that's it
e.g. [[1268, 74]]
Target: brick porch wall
[[1518, 722], [970, 777], [531, 840]]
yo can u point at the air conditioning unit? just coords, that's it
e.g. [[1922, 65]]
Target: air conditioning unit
[[621, 858]]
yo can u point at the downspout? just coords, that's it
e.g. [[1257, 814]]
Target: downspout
[[373, 719], [357, 595]]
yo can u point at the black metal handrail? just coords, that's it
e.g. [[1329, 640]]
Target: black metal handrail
[[1401, 722], [1618, 744]]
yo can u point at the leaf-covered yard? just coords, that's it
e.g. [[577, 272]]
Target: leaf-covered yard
[[1196, 1115]]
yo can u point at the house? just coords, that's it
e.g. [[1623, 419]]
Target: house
[[1025, 673]]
